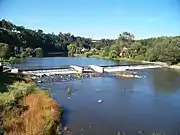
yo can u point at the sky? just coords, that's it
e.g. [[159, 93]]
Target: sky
[[96, 18]]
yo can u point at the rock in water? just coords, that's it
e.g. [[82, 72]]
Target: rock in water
[[65, 128], [40, 81], [100, 101]]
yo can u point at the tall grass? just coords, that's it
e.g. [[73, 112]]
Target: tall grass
[[28, 110], [15, 92], [41, 117]]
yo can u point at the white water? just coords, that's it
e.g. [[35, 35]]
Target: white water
[[106, 69], [50, 72], [123, 68]]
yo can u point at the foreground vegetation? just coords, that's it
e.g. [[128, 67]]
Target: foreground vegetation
[[26, 109]]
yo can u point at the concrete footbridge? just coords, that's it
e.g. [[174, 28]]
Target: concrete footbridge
[[72, 69]]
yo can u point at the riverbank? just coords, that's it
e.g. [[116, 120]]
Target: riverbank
[[176, 67], [109, 58], [26, 109], [11, 59]]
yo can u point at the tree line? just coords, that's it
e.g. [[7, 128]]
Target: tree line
[[164, 49], [19, 41]]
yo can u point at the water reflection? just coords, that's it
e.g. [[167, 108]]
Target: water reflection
[[165, 80], [62, 61]]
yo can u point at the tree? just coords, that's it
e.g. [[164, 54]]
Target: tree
[[24, 42], [125, 39], [115, 47], [113, 53], [71, 49], [28, 51], [105, 51], [124, 42], [39, 52], [21, 37], [4, 50]]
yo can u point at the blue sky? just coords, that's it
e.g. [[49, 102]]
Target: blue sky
[[96, 18]]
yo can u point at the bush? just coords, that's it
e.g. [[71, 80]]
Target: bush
[[21, 89], [41, 118], [15, 92], [140, 57], [12, 59], [113, 54], [88, 54], [39, 52], [6, 99]]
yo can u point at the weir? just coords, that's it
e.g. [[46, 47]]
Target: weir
[[77, 68], [97, 68], [124, 68], [72, 69], [50, 72]]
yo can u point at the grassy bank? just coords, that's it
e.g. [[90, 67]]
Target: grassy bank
[[26, 109], [177, 66]]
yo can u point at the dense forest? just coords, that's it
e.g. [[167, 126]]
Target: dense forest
[[19, 41], [164, 49]]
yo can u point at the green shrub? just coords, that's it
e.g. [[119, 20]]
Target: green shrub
[[113, 54], [140, 57], [20, 89], [87, 54], [12, 59], [6, 99], [39, 52], [15, 92]]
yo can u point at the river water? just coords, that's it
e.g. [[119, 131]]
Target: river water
[[133, 106], [49, 62]]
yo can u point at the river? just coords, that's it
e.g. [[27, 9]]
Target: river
[[133, 106]]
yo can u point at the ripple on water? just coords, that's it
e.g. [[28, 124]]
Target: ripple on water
[[131, 105]]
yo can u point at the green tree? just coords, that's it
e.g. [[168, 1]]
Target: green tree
[[39, 52], [4, 50], [115, 47], [113, 54], [124, 42], [125, 39], [71, 49], [105, 51], [28, 52], [21, 37]]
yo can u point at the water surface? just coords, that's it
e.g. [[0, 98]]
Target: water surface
[[150, 104], [130, 105], [49, 62]]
